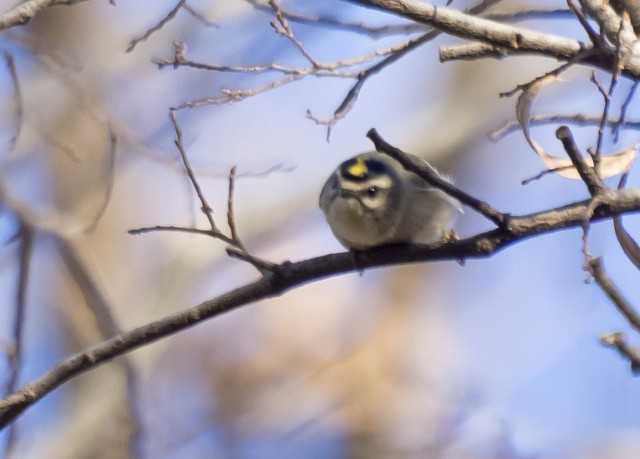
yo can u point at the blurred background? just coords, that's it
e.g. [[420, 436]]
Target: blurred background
[[499, 358]]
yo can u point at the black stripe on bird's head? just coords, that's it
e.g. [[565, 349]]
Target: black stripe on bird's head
[[361, 168]]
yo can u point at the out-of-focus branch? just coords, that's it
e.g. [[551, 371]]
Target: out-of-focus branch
[[328, 21], [24, 12], [26, 235], [17, 98], [283, 277], [578, 119], [98, 304]]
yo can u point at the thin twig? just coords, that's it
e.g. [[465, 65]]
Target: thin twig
[[261, 265], [237, 249], [284, 30], [109, 182], [544, 173], [424, 171], [335, 69], [352, 95], [199, 16], [618, 65], [578, 119], [554, 72], [231, 219], [182, 229], [357, 27], [205, 207], [167, 18], [236, 95], [622, 121], [586, 228], [596, 269]]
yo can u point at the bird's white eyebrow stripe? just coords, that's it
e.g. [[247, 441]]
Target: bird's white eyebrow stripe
[[381, 182]]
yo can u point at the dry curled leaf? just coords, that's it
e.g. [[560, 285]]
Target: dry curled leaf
[[610, 165], [628, 244]]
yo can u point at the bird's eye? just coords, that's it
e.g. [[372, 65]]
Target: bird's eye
[[372, 191]]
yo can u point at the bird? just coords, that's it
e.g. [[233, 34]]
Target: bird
[[370, 200]]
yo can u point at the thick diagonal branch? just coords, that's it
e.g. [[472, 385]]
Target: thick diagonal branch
[[288, 275]]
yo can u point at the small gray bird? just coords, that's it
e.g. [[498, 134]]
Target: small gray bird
[[371, 200]]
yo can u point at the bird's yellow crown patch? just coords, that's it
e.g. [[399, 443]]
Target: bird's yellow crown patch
[[358, 168]]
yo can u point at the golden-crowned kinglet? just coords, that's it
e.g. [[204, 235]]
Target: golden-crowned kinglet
[[371, 200]]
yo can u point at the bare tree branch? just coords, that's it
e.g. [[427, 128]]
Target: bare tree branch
[[471, 51], [516, 40], [288, 275]]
